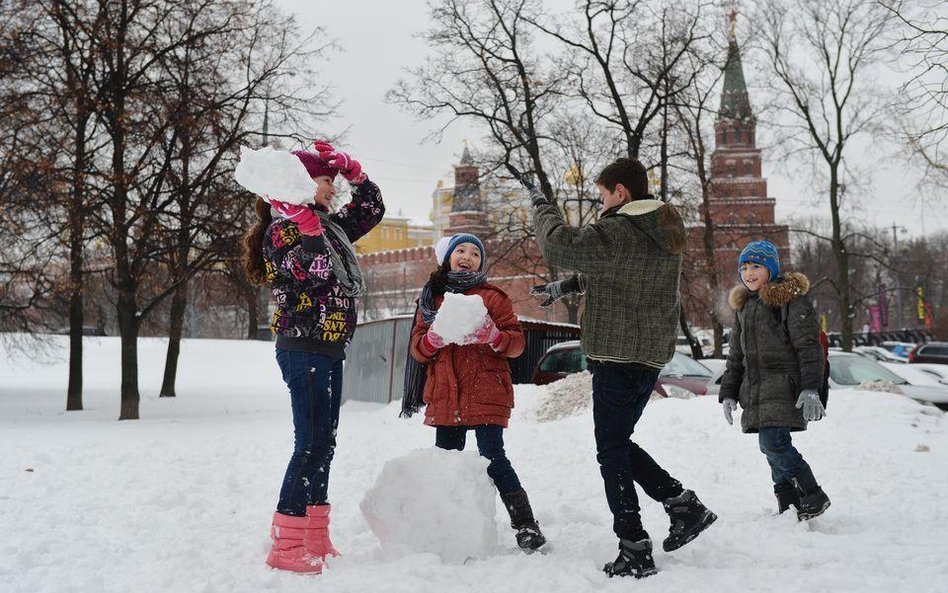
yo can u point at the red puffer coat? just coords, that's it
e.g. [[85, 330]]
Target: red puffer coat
[[471, 385]]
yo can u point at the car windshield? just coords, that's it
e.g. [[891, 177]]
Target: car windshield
[[682, 366], [854, 370], [564, 360]]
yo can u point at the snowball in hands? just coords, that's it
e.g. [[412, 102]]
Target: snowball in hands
[[459, 316], [274, 174]]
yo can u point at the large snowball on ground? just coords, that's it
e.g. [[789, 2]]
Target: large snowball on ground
[[458, 316], [274, 174], [436, 501]]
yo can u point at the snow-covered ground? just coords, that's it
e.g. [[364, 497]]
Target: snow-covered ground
[[181, 500]]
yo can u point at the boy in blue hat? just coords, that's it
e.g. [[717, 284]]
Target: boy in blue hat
[[775, 370]]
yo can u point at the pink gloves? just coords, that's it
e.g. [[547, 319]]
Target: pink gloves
[[305, 219], [432, 342], [342, 162], [485, 334]]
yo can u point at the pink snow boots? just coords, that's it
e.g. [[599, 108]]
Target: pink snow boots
[[316, 537], [301, 544]]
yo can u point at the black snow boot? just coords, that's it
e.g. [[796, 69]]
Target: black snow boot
[[529, 536], [688, 518], [787, 497], [635, 559], [813, 501]]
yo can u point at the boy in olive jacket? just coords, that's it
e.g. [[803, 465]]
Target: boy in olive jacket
[[775, 370], [629, 262]]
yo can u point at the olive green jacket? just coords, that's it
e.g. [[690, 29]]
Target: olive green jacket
[[630, 261]]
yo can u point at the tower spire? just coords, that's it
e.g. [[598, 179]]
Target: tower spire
[[735, 103]]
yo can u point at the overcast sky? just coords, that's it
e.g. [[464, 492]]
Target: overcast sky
[[378, 42]]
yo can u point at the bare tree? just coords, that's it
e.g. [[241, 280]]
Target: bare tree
[[923, 44], [210, 115], [487, 73], [822, 55], [694, 109]]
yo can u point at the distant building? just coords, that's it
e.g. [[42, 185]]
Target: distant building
[[395, 232], [497, 215], [740, 209]]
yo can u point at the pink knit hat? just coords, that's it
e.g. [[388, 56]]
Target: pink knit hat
[[315, 166]]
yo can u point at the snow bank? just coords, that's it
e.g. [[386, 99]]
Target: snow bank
[[181, 500], [458, 316], [567, 397], [436, 501], [275, 174]]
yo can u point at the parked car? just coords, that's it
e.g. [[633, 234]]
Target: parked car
[[681, 377], [915, 373], [848, 371], [931, 352], [939, 372], [851, 370], [880, 354], [898, 348]]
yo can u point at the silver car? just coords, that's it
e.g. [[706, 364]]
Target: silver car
[[849, 371]]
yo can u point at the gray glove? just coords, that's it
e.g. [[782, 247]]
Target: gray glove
[[554, 291], [730, 405], [526, 180], [813, 410]]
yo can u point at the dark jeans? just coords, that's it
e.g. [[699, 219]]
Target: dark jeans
[[315, 383], [490, 444], [620, 393], [785, 461]]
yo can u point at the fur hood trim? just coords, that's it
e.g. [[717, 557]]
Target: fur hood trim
[[773, 294]]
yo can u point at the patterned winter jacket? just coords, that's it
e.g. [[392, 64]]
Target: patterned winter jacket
[[630, 261], [313, 314], [768, 366], [471, 385]]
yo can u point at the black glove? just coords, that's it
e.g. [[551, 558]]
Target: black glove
[[526, 180], [554, 291]]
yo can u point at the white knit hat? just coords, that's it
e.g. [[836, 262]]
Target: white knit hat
[[441, 248]]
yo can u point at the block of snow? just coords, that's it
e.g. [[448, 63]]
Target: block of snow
[[569, 396], [275, 174], [458, 316], [436, 501]]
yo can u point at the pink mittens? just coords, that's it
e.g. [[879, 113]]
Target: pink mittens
[[305, 219], [350, 168]]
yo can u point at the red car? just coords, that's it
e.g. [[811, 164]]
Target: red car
[[681, 377]]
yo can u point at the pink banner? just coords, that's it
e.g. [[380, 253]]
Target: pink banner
[[875, 318]]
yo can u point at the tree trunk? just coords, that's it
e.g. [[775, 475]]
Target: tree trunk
[[76, 232], [696, 351], [179, 303], [128, 329], [74, 388], [718, 329], [253, 311], [842, 261]]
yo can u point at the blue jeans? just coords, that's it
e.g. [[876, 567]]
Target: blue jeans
[[620, 393], [785, 461], [315, 383], [490, 444]]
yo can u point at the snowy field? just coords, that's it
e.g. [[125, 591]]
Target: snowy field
[[181, 500]]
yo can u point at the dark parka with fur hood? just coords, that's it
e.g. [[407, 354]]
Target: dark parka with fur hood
[[767, 368]]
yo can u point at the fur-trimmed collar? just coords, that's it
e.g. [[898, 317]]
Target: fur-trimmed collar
[[640, 207], [773, 294]]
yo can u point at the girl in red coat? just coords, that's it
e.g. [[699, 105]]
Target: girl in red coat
[[468, 386]]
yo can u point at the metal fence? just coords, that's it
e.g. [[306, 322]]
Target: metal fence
[[375, 360]]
